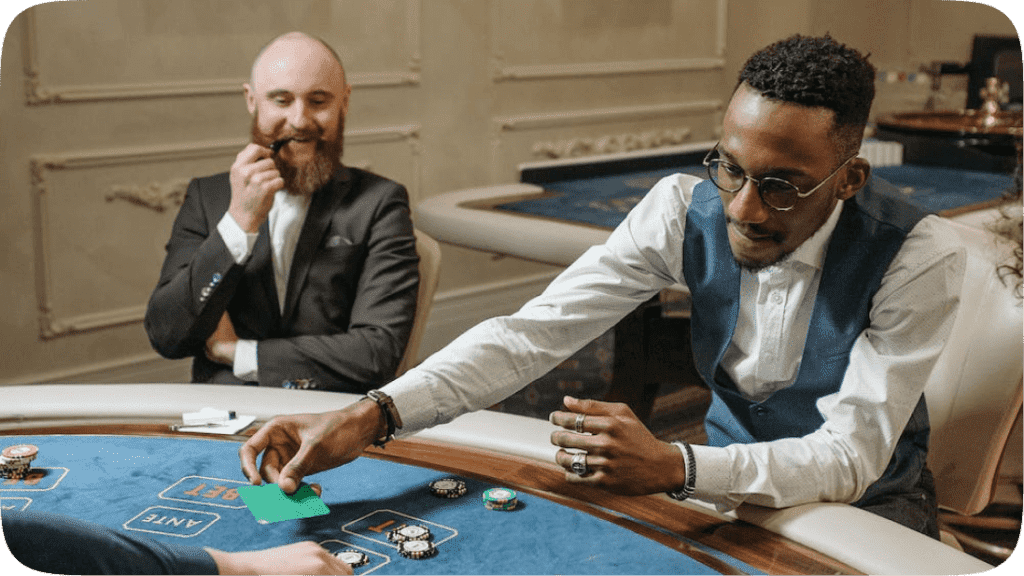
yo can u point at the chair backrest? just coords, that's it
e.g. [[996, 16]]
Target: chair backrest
[[430, 268], [974, 393]]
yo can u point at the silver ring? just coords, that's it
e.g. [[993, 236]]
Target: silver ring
[[579, 423], [579, 463]]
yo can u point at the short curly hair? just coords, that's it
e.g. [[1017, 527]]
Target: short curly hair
[[817, 71]]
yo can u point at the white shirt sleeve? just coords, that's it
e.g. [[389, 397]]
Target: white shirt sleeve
[[238, 241], [245, 367], [911, 318], [240, 244], [502, 355]]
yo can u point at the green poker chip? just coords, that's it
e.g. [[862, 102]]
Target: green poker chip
[[500, 499]]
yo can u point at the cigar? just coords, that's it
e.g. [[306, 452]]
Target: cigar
[[276, 145]]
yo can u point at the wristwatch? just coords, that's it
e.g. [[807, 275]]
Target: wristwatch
[[391, 417], [691, 474]]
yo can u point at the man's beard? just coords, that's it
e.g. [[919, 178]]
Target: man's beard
[[306, 178]]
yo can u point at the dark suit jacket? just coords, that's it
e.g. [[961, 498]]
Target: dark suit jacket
[[351, 292]]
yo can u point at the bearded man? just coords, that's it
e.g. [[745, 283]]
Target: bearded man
[[290, 269]]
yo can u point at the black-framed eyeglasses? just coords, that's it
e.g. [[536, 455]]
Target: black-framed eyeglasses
[[777, 193]]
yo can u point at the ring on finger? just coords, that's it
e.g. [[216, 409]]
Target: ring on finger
[[579, 463], [579, 423]]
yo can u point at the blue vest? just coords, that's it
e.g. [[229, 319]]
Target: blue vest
[[858, 254]]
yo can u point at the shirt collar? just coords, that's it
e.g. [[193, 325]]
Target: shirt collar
[[812, 251]]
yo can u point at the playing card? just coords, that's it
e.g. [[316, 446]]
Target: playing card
[[268, 503]]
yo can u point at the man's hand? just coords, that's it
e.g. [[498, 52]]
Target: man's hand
[[298, 445], [220, 346], [254, 180], [298, 558], [622, 455]]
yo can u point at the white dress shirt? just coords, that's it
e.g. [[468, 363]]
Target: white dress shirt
[[911, 316], [285, 220]]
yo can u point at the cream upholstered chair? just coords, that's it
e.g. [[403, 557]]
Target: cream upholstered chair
[[974, 393], [430, 268]]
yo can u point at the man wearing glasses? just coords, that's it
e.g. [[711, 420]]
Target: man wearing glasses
[[816, 321]]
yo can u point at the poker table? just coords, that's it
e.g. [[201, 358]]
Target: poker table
[[108, 454]]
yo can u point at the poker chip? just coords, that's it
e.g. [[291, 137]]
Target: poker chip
[[417, 549], [20, 451], [448, 488], [353, 558], [16, 461], [500, 499], [407, 533]]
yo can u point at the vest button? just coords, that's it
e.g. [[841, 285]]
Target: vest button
[[760, 410]]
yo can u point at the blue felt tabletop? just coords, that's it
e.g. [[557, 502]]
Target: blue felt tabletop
[[184, 490]]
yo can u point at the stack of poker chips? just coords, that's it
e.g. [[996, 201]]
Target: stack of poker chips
[[414, 541], [448, 488], [500, 499], [353, 558], [417, 549], [16, 461]]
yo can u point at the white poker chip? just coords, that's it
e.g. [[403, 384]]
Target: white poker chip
[[414, 532], [417, 549], [353, 558], [405, 532]]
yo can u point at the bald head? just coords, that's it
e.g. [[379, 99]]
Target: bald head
[[296, 44]]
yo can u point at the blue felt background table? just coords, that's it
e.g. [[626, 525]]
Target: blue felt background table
[[184, 490]]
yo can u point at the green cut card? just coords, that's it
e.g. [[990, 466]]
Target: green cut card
[[268, 503]]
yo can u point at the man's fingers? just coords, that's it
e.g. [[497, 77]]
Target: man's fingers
[[248, 453], [593, 407], [590, 424], [252, 152], [291, 475], [574, 441]]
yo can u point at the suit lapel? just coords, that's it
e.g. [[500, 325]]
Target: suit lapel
[[322, 207]]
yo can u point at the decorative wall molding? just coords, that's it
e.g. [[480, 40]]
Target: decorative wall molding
[[504, 73], [510, 72], [575, 147], [37, 93], [158, 196], [605, 115]]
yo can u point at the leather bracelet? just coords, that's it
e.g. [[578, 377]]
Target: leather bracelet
[[391, 417], [691, 474]]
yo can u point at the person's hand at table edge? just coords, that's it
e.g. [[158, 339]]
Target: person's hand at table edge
[[295, 446]]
